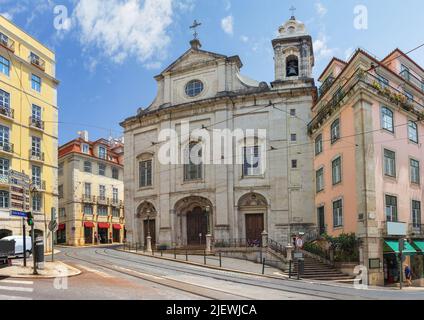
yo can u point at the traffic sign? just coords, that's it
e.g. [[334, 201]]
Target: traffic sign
[[298, 255], [53, 226], [299, 242], [21, 214]]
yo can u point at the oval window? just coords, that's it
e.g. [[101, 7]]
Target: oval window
[[194, 88]]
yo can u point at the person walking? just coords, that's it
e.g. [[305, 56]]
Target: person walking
[[408, 275]]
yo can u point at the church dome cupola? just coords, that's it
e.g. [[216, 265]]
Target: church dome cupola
[[293, 53]]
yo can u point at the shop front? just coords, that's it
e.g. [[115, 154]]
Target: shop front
[[411, 256], [117, 233], [417, 264], [88, 232], [103, 232], [61, 234]]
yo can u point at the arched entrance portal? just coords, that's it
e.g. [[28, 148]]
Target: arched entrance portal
[[252, 209], [195, 221], [146, 214]]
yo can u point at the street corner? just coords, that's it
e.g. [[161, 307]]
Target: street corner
[[49, 270]]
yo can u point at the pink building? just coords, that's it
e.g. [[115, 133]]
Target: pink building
[[368, 131]]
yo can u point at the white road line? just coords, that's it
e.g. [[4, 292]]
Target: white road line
[[20, 289], [17, 282], [3, 297]]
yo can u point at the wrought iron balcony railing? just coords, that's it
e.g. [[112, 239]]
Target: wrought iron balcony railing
[[7, 112], [6, 147], [36, 156], [103, 200], [40, 185], [416, 229], [37, 61], [36, 123], [326, 85], [410, 77], [88, 198], [6, 42]]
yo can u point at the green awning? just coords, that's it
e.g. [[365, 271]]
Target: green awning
[[393, 246], [419, 244]]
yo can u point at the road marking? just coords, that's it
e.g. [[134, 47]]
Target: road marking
[[16, 289], [3, 297], [99, 273], [139, 273], [17, 282]]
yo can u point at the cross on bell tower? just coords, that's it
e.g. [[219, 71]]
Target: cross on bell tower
[[292, 9], [195, 43]]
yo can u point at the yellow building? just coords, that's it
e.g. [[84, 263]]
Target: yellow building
[[28, 128]]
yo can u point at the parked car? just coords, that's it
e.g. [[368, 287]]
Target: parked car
[[19, 245]]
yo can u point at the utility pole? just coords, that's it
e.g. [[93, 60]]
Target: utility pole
[[24, 240]]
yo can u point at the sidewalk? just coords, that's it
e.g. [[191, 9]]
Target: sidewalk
[[49, 270], [212, 262]]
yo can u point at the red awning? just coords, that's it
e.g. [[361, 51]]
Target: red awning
[[61, 226], [117, 227], [103, 225], [88, 224]]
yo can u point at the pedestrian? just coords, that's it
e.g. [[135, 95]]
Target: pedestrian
[[408, 275]]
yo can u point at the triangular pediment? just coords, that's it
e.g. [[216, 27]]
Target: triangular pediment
[[193, 57]]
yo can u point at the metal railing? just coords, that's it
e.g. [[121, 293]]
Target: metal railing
[[6, 42], [88, 198], [277, 247], [40, 185], [416, 229], [6, 147], [7, 112], [367, 81], [410, 77], [36, 123], [36, 156], [103, 200], [37, 61], [326, 85], [237, 243]]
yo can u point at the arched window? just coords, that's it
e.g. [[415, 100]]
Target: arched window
[[292, 66], [193, 165]]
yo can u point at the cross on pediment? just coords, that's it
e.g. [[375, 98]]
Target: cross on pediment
[[194, 27], [292, 9]]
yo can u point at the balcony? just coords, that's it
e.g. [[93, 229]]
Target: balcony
[[36, 123], [326, 85], [103, 200], [37, 62], [116, 203], [408, 76], [40, 185], [6, 42], [87, 198], [36, 156], [4, 180], [7, 113], [416, 230], [6, 148]]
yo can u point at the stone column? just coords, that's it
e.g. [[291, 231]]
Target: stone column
[[208, 243], [149, 244], [264, 239]]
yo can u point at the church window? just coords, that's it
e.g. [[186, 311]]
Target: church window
[[193, 166], [194, 88]]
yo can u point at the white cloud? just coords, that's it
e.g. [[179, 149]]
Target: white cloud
[[155, 65], [123, 28], [320, 9], [321, 48], [227, 24], [244, 39], [227, 5], [7, 15]]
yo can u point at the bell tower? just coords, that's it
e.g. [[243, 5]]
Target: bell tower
[[293, 55]]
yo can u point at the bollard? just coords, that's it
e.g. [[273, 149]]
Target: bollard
[[220, 260], [263, 266], [136, 247], [161, 253], [186, 256], [204, 257], [290, 269], [175, 253]]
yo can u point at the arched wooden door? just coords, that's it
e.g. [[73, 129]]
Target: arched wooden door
[[197, 227]]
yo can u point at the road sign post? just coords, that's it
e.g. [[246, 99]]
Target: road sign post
[[24, 240], [53, 227], [401, 248]]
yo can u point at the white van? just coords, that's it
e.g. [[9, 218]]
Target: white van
[[19, 245]]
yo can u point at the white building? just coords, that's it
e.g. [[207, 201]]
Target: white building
[[182, 203]]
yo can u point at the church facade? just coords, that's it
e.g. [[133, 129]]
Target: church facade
[[271, 189]]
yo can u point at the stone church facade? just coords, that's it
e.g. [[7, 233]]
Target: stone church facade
[[178, 204]]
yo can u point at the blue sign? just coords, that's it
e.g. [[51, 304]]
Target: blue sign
[[18, 214]]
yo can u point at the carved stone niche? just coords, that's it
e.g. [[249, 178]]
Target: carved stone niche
[[144, 208]]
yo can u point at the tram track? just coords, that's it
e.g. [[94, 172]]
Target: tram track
[[197, 290], [224, 275]]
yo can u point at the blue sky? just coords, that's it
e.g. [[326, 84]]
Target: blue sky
[[109, 50]]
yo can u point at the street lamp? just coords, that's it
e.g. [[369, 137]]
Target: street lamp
[[33, 190]]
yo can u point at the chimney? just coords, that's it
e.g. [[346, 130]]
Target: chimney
[[83, 135]]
